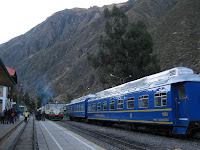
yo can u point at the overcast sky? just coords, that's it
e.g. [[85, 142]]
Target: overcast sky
[[19, 16]]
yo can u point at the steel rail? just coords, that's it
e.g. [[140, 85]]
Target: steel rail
[[114, 141]]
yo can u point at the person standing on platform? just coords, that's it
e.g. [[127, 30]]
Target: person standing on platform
[[3, 117], [43, 116], [12, 116], [26, 116], [6, 117], [36, 115], [15, 116], [18, 114], [39, 115]]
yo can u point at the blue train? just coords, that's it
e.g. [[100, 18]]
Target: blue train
[[168, 102]]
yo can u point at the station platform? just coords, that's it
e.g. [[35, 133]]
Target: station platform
[[54, 137], [6, 128]]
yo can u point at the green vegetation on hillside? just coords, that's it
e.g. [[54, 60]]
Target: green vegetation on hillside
[[124, 49]]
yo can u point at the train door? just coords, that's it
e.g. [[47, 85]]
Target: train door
[[86, 109], [180, 98], [181, 102]]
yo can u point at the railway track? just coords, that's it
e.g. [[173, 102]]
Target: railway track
[[113, 140], [22, 137], [123, 139]]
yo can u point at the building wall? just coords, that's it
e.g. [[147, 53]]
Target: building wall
[[1, 91], [4, 101]]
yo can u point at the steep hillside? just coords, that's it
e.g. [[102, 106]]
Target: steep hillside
[[53, 54], [177, 36], [149, 11]]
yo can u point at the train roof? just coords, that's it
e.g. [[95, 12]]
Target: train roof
[[81, 99], [54, 102], [174, 75]]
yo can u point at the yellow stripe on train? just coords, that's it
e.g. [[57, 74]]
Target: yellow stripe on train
[[147, 110]]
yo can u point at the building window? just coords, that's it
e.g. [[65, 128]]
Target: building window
[[120, 104], [99, 106], [89, 107], [144, 101], [160, 99], [131, 103], [93, 107], [112, 105], [104, 105]]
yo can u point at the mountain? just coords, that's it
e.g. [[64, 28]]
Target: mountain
[[53, 55], [177, 36]]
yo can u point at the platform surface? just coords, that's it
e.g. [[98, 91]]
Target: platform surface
[[5, 128], [54, 137]]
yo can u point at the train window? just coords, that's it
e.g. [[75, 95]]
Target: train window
[[160, 99], [144, 101], [112, 105], [99, 106], [93, 107], [69, 109], [74, 107], [89, 107], [181, 92], [104, 105], [81, 107], [120, 104], [131, 103]]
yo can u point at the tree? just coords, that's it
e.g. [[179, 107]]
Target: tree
[[39, 102], [125, 49], [69, 98]]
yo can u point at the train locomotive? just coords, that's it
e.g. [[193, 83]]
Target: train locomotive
[[168, 102], [53, 110]]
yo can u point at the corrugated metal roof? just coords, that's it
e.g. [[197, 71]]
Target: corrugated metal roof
[[11, 71]]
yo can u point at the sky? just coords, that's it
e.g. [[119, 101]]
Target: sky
[[19, 16]]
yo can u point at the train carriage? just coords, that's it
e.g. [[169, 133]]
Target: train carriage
[[148, 107], [168, 101], [76, 110]]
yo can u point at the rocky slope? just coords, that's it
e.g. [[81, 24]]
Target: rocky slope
[[53, 54], [177, 36]]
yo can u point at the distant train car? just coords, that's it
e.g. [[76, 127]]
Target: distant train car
[[54, 110], [77, 109], [168, 102]]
